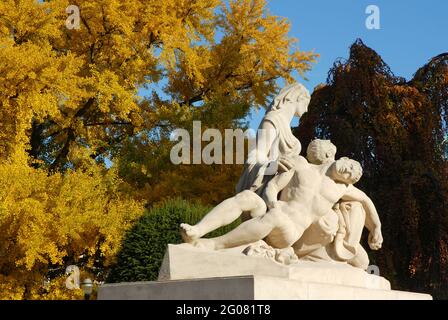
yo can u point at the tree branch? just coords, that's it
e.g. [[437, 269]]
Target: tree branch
[[62, 156], [108, 123]]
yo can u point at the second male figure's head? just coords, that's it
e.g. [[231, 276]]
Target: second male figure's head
[[320, 151]]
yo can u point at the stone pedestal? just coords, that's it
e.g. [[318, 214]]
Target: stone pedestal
[[246, 288], [189, 273]]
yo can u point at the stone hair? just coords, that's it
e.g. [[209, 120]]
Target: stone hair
[[293, 92], [320, 151]]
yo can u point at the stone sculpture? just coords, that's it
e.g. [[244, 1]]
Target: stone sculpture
[[300, 239], [308, 207]]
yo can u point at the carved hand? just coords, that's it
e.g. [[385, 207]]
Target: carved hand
[[285, 164], [375, 239]]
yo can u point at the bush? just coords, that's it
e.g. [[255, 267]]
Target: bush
[[145, 244]]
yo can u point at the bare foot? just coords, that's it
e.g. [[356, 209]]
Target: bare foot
[[189, 233], [286, 256], [205, 243]]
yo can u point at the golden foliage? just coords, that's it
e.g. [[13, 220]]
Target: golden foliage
[[49, 221], [79, 87], [69, 100]]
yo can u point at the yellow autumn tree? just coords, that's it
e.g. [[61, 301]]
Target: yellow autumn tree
[[68, 88], [74, 101], [50, 222]]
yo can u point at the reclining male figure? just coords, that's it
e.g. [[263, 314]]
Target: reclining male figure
[[309, 193], [247, 201]]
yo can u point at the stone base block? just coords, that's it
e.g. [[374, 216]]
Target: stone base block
[[246, 288], [183, 262], [189, 273]]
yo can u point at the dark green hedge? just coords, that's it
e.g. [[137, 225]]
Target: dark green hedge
[[145, 244]]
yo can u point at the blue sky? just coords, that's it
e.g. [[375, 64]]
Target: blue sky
[[412, 31]]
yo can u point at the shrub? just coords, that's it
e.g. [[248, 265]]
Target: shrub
[[145, 244]]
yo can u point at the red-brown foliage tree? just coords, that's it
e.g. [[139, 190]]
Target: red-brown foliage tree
[[396, 129]]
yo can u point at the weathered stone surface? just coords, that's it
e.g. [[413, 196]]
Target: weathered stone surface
[[246, 288], [187, 262]]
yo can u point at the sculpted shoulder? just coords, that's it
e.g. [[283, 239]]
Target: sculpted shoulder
[[299, 162]]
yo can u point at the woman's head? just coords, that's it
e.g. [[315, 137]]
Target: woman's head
[[294, 96]]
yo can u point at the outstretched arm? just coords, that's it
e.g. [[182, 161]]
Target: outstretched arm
[[373, 223]]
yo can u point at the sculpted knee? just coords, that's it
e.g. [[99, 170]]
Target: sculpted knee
[[250, 201], [273, 217], [245, 196], [259, 210]]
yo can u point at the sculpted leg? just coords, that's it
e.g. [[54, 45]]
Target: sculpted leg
[[288, 231], [223, 214], [250, 231], [276, 226]]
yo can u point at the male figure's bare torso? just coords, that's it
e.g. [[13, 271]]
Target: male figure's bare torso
[[311, 190]]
